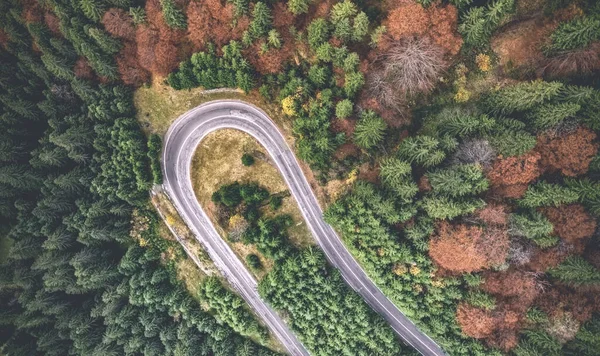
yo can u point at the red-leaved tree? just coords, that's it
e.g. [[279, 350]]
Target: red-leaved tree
[[570, 154]]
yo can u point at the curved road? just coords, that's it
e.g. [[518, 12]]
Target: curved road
[[180, 143]]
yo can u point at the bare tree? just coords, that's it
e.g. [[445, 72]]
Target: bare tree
[[475, 151], [411, 66], [519, 252]]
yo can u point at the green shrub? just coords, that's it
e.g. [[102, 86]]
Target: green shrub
[[275, 202], [247, 160], [254, 262]]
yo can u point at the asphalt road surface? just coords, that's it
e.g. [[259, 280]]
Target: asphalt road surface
[[180, 143]]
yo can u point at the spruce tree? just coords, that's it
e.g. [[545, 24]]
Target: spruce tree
[[522, 96], [173, 16], [369, 130], [576, 271]]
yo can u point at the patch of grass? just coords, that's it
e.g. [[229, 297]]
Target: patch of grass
[[217, 162], [158, 105]]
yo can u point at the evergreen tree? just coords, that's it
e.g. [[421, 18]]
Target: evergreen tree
[[261, 20], [93, 9], [173, 16], [575, 34], [534, 226], [318, 32], [576, 271], [353, 82], [397, 175], [369, 130], [298, 7], [546, 194], [550, 115], [138, 14], [522, 96], [241, 7], [458, 180], [343, 109], [422, 150], [479, 23]]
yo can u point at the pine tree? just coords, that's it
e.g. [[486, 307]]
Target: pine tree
[[298, 7], [353, 82], [547, 194], [575, 34], [343, 109], [522, 96], [480, 23], [397, 175], [104, 40], [512, 143], [241, 7], [93, 9], [261, 20], [369, 130], [422, 150], [274, 39], [534, 226], [550, 115], [439, 207], [576, 271], [318, 32], [458, 180], [173, 16], [138, 14]]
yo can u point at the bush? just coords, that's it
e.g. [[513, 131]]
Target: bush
[[247, 160], [254, 262], [275, 202]]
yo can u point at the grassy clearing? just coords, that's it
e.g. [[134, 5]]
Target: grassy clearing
[[217, 161], [158, 105]]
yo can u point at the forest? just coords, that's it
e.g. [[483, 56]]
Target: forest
[[453, 143]]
